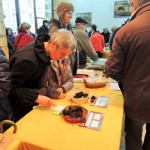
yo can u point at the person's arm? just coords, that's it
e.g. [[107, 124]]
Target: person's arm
[[5, 76], [48, 90], [51, 92], [103, 42], [69, 81], [21, 72], [116, 61], [87, 46]]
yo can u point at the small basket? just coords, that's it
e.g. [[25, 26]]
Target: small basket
[[81, 100]]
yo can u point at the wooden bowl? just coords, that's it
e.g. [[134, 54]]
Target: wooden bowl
[[69, 112], [94, 82]]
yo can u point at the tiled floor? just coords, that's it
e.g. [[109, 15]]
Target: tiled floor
[[122, 145]]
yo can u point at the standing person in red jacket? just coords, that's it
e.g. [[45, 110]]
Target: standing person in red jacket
[[97, 41], [24, 37]]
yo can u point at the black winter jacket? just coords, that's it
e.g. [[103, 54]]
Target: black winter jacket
[[5, 85], [42, 29], [27, 67]]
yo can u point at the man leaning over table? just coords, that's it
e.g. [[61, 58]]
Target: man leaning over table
[[129, 63], [28, 65]]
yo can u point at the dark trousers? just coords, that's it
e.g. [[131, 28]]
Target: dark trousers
[[133, 136], [99, 54]]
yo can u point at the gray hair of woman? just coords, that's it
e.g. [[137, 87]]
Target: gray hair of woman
[[25, 26], [64, 39]]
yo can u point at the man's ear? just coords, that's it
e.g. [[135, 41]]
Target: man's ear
[[134, 6], [53, 44]]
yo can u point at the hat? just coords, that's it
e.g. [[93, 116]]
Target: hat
[[64, 7], [80, 20]]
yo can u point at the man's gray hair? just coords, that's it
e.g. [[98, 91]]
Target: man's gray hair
[[64, 39]]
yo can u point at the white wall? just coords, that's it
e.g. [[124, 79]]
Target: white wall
[[102, 12]]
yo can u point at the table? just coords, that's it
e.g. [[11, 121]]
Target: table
[[106, 54], [41, 130]]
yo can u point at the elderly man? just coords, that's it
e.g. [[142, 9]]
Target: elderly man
[[129, 63], [83, 42], [28, 65]]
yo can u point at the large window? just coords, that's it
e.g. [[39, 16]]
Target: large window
[[43, 11], [10, 14]]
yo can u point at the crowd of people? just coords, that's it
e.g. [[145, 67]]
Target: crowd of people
[[42, 66]]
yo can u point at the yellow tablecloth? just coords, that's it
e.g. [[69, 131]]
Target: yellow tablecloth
[[41, 130], [106, 54]]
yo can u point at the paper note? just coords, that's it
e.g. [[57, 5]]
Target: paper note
[[58, 110], [93, 120], [101, 101]]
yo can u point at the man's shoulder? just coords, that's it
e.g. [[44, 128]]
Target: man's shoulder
[[25, 52], [79, 32]]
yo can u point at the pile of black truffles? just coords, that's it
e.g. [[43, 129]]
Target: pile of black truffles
[[93, 98], [73, 112], [80, 95]]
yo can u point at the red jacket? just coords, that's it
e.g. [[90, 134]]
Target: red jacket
[[24, 40], [98, 42]]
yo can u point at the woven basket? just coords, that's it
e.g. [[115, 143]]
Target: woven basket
[[81, 100]]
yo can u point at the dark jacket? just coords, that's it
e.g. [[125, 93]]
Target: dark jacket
[[106, 36], [5, 86], [42, 29], [27, 67], [129, 62]]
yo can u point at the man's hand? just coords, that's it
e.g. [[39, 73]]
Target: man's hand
[[61, 96], [44, 101], [60, 90]]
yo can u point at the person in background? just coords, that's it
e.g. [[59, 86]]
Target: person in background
[[28, 66], [83, 42], [10, 41], [24, 37], [97, 41], [106, 35], [44, 28], [55, 25], [129, 63], [34, 36], [10, 35], [6, 112], [90, 32], [113, 29], [64, 12]]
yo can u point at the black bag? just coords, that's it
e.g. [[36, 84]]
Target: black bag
[[82, 58]]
